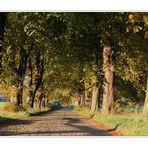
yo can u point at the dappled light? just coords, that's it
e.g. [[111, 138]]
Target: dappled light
[[74, 74]]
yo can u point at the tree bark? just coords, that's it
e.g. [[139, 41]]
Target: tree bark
[[81, 100], [108, 80], [40, 103], [95, 97], [145, 109], [21, 75], [29, 95], [44, 103], [38, 77], [86, 99], [36, 80], [30, 83], [32, 99], [95, 93], [41, 97], [19, 94]]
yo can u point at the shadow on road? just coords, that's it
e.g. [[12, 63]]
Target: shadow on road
[[4, 122], [70, 124], [91, 131]]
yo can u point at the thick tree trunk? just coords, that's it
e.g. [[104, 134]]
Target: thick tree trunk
[[20, 74], [34, 92], [39, 76], [145, 109], [33, 87], [108, 80], [95, 97]]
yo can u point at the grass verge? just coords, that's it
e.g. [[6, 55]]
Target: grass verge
[[129, 125], [2, 104], [4, 115], [8, 115]]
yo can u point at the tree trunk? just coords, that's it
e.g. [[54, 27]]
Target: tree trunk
[[29, 95], [41, 100], [86, 95], [145, 109], [86, 99], [81, 100], [108, 80], [13, 95], [33, 88], [39, 77], [44, 103], [19, 94], [40, 103], [32, 100], [20, 74], [95, 97]]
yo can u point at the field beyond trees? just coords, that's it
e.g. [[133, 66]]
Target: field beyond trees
[[97, 62]]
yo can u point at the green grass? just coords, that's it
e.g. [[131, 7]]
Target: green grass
[[128, 124], [37, 112], [2, 104], [9, 115], [4, 115]]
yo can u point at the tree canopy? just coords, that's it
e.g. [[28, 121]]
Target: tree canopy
[[101, 59]]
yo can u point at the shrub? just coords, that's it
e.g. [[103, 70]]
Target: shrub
[[125, 105], [14, 108], [71, 106], [53, 106]]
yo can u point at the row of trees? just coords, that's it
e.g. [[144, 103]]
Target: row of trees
[[100, 58]]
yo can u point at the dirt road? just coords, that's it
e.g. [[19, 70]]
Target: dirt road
[[56, 123]]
